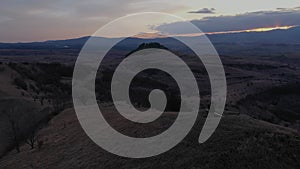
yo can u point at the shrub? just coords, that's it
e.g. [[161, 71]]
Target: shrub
[[20, 83]]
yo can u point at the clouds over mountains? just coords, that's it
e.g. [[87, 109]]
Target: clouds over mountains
[[59, 19], [260, 19]]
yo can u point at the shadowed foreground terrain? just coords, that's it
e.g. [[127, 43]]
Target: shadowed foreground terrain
[[259, 129], [239, 142]]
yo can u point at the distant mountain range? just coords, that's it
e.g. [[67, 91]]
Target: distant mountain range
[[226, 44]]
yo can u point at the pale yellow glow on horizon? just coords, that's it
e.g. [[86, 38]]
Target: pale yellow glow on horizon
[[265, 29]]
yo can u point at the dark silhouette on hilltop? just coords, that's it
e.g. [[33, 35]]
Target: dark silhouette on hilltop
[[147, 46]]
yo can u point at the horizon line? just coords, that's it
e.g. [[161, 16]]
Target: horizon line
[[160, 36]]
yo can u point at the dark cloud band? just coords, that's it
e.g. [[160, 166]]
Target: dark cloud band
[[204, 11], [260, 19]]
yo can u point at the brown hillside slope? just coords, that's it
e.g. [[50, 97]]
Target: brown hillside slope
[[239, 142], [12, 97]]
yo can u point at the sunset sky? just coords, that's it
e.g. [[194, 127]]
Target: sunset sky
[[39, 20]]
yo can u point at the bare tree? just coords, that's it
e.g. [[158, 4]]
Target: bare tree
[[23, 125], [33, 128], [32, 138], [13, 116]]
